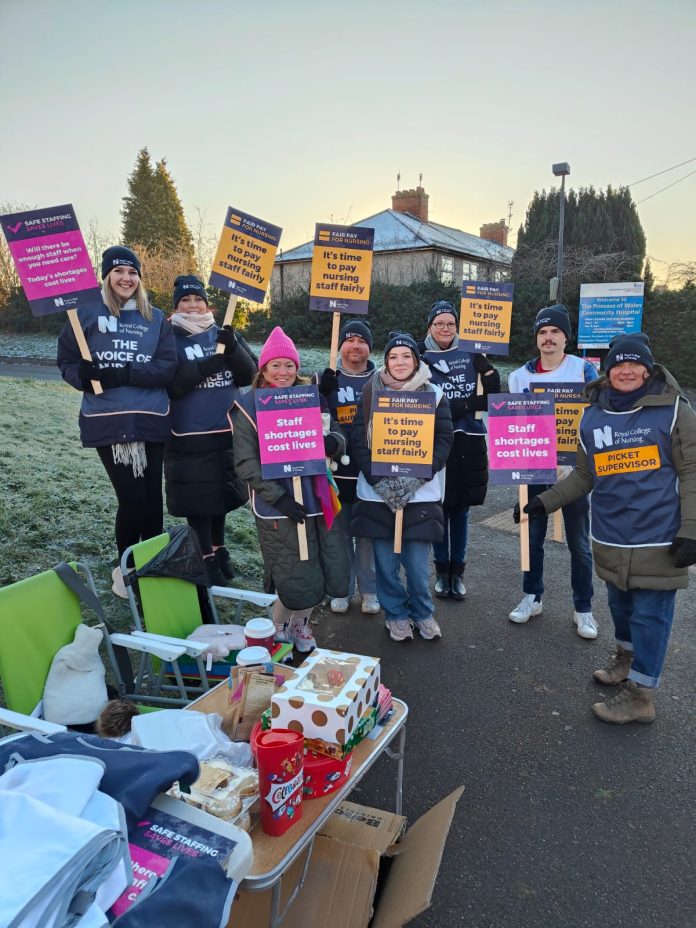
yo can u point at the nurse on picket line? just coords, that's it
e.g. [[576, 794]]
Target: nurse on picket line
[[379, 498], [134, 359], [637, 456], [199, 475], [466, 475], [300, 585]]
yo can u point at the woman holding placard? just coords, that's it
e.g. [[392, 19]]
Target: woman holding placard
[[200, 480], [134, 358], [466, 481], [300, 584], [380, 498]]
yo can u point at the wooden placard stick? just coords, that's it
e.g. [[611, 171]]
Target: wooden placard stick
[[229, 316], [524, 528], [398, 530], [301, 527], [479, 392], [557, 525], [336, 325], [82, 345]]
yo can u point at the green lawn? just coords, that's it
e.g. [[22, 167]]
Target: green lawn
[[57, 502]]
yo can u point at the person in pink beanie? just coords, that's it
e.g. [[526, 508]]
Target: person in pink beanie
[[300, 585]]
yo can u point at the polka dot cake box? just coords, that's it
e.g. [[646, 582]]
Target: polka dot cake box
[[326, 695]]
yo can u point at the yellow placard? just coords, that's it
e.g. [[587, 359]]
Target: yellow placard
[[244, 258], [627, 460], [402, 437], [340, 272], [568, 417], [486, 320]]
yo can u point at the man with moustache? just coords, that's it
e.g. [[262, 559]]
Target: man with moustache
[[552, 331]]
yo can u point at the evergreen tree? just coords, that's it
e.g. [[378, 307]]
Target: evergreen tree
[[139, 211]]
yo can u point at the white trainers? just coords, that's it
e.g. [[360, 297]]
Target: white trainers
[[283, 635], [342, 604], [302, 637], [117, 585], [370, 604], [585, 621], [399, 630], [527, 608], [429, 629]]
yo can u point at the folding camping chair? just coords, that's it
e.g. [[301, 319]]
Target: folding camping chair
[[170, 607], [38, 616]]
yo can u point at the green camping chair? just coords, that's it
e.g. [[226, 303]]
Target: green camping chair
[[38, 616], [170, 609]]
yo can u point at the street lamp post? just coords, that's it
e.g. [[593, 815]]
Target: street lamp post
[[562, 169]]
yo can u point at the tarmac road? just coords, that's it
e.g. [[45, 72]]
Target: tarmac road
[[565, 822]]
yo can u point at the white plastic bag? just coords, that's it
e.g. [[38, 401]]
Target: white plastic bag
[[186, 730]]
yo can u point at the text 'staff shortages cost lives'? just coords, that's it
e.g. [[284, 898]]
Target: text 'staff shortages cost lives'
[[245, 256], [291, 438], [49, 253], [341, 269], [521, 438], [485, 317]]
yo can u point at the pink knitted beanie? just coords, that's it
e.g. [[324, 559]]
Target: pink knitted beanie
[[278, 345]]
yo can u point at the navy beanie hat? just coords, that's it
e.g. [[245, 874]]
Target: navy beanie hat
[[355, 329], [116, 255], [402, 340], [635, 347], [187, 284], [556, 315], [439, 307]]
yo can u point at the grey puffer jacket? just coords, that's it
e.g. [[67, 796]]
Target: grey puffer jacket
[[646, 567], [299, 584]]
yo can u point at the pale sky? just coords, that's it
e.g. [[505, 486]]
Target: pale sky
[[300, 111]]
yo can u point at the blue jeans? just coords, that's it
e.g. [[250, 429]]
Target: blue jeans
[[413, 601], [360, 556], [453, 545], [642, 624], [576, 516]]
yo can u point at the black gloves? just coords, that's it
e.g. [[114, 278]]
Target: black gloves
[[328, 382], [88, 371], [534, 508], [212, 365], [226, 336], [290, 508], [112, 377], [516, 513], [683, 550], [330, 445], [459, 407]]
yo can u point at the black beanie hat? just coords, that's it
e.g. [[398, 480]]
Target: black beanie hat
[[556, 315], [439, 307], [635, 347], [402, 340], [116, 255], [355, 328], [186, 284]]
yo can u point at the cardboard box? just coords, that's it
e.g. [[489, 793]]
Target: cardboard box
[[326, 695], [344, 871]]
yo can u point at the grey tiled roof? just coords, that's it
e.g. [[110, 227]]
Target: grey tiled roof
[[400, 232]]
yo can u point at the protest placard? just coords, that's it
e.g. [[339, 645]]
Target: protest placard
[[607, 310], [53, 265], [522, 447], [291, 439], [341, 274], [403, 432], [569, 404], [485, 317], [244, 260]]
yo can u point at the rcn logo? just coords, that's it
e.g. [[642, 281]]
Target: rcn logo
[[107, 324], [231, 284], [193, 352], [395, 468], [516, 475], [346, 395], [478, 345], [442, 366], [59, 301], [603, 437], [287, 468]]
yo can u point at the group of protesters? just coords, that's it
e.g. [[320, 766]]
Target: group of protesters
[[177, 398]]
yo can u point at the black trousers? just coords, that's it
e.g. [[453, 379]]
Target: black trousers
[[140, 512], [210, 531]]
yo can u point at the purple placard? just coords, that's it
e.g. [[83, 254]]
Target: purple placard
[[521, 438], [51, 258], [291, 438]]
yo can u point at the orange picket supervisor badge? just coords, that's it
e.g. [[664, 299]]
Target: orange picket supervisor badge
[[627, 461], [346, 414]]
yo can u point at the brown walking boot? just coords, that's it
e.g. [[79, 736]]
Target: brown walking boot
[[631, 704], [616, 669]]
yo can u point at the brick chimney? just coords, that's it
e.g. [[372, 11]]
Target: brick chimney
[[413, 202], [495, 232]]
